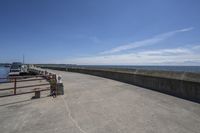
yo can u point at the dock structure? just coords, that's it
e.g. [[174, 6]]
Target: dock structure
[[37, 81], [94, 104]]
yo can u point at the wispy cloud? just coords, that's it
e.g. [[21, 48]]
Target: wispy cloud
[[184, 55], [167, 52], [146, 42], [197, 47], [95, 39], [173, 56]]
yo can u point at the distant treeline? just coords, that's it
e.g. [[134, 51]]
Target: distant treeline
[[5, 64]]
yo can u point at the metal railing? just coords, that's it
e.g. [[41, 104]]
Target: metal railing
[[23, 79]]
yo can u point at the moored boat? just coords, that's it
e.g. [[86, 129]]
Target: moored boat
[[17, 68]]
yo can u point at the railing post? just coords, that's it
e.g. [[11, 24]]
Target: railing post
[[55, 78], [15, 86]]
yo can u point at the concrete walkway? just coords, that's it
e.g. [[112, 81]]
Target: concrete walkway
[[98, 105]]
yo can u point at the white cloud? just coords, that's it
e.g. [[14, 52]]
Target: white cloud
[[185, 55], [167, 52], [186, 29], [175, 56], [147, 42], [197, 47]]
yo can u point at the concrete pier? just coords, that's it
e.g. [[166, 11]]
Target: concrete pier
[[98, 105]]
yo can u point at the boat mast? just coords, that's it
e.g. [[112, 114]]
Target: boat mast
[[23, 59]]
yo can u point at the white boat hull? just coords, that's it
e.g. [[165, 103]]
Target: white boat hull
[[14, 73]]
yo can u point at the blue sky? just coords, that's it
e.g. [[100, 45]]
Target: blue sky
[[101, 32]]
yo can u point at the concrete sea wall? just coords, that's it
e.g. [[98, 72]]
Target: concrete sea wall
[[183, 85], [180, 84]]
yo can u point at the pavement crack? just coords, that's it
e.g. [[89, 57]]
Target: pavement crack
[[70, 116]]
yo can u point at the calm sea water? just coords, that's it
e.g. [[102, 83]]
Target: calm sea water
[[195, 69], [3, 73]]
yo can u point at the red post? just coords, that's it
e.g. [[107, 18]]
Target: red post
[[15, 86]]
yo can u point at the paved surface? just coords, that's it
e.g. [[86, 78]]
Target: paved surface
[[98, 105]]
